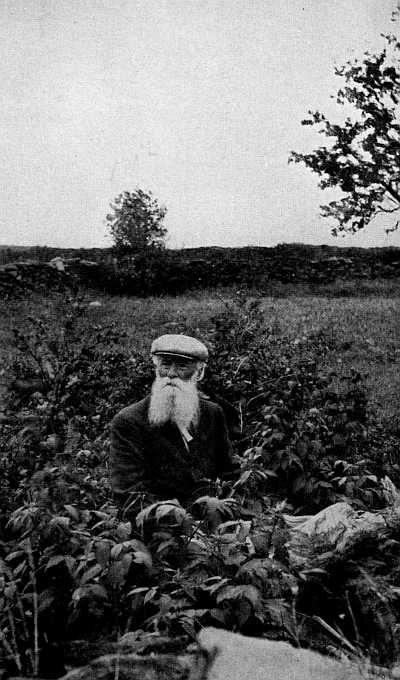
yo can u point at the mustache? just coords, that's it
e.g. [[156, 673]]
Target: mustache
[[169, 382]]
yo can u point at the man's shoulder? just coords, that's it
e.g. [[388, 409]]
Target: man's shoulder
[[209, 406], [134, 413]]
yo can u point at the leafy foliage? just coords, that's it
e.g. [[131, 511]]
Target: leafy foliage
[[296, 422], [362, 159], [72, 567], [136, 223]]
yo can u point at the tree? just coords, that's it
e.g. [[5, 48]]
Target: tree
[[136, 223], [363, 159]]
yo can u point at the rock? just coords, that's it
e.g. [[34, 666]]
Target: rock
[[152, 643], [241, 657], [334, 529], [133, 667], [82, 652], [57, 263]]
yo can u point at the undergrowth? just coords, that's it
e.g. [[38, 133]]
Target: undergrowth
[[73, 568]]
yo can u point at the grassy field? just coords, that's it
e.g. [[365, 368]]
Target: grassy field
[[366, 329]]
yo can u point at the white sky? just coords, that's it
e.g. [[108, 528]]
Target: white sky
[[198, 101]]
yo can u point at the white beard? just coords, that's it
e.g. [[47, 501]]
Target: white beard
[[174, 400]]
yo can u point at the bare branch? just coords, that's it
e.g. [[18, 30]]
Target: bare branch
[[389, 230], [388, 211]]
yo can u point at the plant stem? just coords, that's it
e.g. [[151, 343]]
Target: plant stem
[[19, 603], [16, 653], [353, 619], [35, 609], [10, 650]]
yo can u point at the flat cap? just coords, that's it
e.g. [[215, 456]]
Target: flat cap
[[180, 346]]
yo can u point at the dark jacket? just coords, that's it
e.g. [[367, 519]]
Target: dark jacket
[[155, 459]]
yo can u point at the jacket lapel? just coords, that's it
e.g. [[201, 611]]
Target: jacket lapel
[[169, 439]]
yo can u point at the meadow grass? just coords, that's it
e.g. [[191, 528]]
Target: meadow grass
[[367, 334], [366, 329]]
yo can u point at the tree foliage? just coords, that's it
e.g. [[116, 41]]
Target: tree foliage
[[363, 156], [136, 222]]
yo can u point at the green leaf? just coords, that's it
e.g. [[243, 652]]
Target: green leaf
[[124, 530], [197, 546], [10, 590], [238, 530], [45, 600], [257, 571], [164, 546], [116, 551], [91, 574], [246, 592], [214, 509], [299, 484], [102, 551], [244, 610], [126, 562], [214, 583], [279, 613], [60, 521], [20, 568], [167, 509], [72, 511], [218, 615], [150, 595], [95, 590], [70, 563], [53, 561], [244, 477], [162, 510], [138, 591], [16, 553], [235, 559]]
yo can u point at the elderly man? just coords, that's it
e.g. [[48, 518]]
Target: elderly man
[[169, 443]]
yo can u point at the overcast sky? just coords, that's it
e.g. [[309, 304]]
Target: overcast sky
[[198, 101]]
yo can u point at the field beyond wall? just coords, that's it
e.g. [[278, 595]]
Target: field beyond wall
[[366, 329]]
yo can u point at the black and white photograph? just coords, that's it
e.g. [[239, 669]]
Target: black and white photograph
[[200, 339]]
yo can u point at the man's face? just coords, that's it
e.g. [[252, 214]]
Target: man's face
[[173, 367], [174, 395]]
